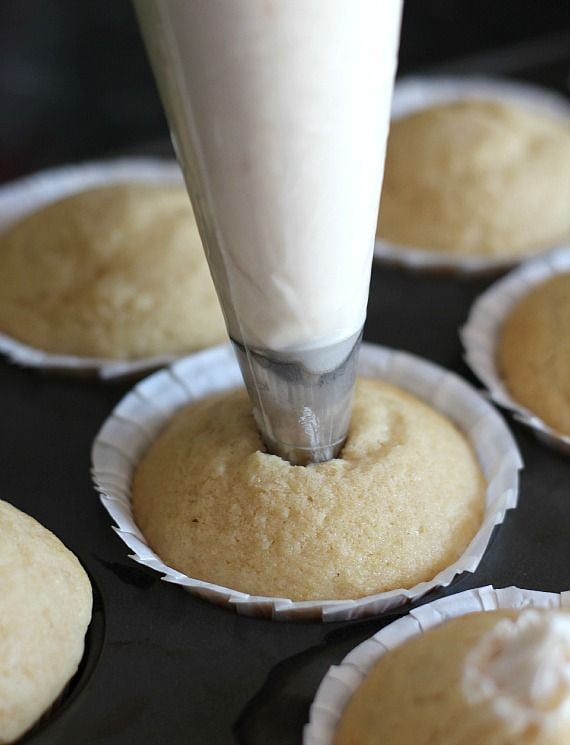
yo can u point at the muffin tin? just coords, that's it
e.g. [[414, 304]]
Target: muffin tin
[[174, 668], [162, 666]]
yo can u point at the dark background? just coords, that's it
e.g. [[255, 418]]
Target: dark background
[[75, 84], [163, 667]]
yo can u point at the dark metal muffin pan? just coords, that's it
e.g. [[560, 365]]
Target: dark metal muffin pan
[[165, 667]]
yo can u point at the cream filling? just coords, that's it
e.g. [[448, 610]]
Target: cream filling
[[280, 114], [521, 670]]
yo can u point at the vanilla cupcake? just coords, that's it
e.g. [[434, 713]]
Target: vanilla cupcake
[[401, 503], [116, 272], [497, 677], [45, 608], [533, 352], [477, 178]]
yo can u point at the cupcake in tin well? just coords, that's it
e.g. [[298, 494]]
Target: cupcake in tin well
[[533, 352], [427, 471], [401, 503], [484, 666], [475, 177], [112, 273], [499, 677], [45, 609], [517, 341]]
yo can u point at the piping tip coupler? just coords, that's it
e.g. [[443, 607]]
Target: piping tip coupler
[[302, 401]]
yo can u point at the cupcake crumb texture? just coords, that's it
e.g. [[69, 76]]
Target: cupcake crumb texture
[[401, 503], [477, 178], [487, 678], [533, 352], [45, 608], [116, 272]]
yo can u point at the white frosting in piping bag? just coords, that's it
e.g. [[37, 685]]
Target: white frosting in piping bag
[[280, 110]]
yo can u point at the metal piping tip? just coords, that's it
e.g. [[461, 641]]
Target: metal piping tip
[[302, 401]]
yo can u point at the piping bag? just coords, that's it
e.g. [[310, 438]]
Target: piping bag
[[279, 113]]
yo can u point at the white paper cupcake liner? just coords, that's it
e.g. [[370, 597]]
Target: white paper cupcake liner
[[480, 335], [341, 681], [416, 93], [141, 415], [29, 194]]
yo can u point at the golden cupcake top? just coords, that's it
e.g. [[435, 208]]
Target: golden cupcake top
[[489, 678], [115, 272], [401, 503], [45, 608], [533, 353], [477, 178]]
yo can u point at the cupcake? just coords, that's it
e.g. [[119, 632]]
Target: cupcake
[[116, 273], [533, 352], [516, 342], [429, 470], [477, 178], [401, 503], [45, 608], [499, 677]]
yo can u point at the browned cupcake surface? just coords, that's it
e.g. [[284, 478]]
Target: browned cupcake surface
[[478, 679], [402, 502], [477, 178], [533, 353], [116, 272]]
